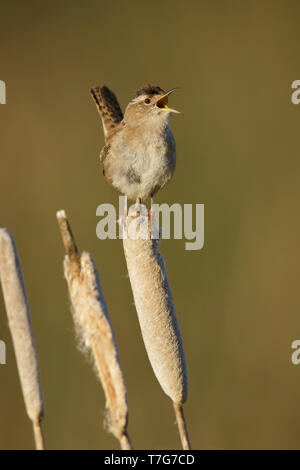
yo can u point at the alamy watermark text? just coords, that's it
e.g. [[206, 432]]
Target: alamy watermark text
[[188, 222], [2, 352], [295, 97], [2, 92]]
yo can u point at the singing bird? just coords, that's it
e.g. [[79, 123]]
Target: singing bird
[[139, 156]]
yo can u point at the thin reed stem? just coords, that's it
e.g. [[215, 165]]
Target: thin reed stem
[[38, 435], [182, 427], [125, 442], [67, 237]]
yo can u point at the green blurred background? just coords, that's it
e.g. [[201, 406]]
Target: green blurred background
[[238, 298]]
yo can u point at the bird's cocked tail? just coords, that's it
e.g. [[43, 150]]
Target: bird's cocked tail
[[108, 107]]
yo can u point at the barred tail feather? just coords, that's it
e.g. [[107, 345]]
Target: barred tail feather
[[108, 107]]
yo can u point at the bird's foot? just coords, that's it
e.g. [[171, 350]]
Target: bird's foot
[[153, 229], [125, 214]]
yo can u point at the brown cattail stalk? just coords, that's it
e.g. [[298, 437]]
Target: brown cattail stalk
[[95, 331], [22, 334], [182, 427], [156, 314]]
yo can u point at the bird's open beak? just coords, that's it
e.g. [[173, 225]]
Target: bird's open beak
[[162, 102]]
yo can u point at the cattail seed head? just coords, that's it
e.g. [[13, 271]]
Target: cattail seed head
[[156, 314], [21, 329], [94, 330]]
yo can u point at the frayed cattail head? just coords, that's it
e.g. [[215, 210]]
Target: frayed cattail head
[[94, 328]]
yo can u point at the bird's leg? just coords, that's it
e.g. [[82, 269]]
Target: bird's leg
[[138, 203], [125, 215], [151, 214], [151, 206]]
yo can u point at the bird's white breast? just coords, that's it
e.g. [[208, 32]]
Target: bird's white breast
[[142, 159]]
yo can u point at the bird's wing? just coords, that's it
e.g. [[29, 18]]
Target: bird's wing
[[104, 157], [108, 108], [104, 152]]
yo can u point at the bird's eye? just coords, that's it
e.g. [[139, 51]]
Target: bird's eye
[[147, 101]]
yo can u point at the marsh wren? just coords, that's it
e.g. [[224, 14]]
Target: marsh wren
[[139, 155]]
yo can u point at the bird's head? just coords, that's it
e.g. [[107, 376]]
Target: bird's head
[[149, 102]]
